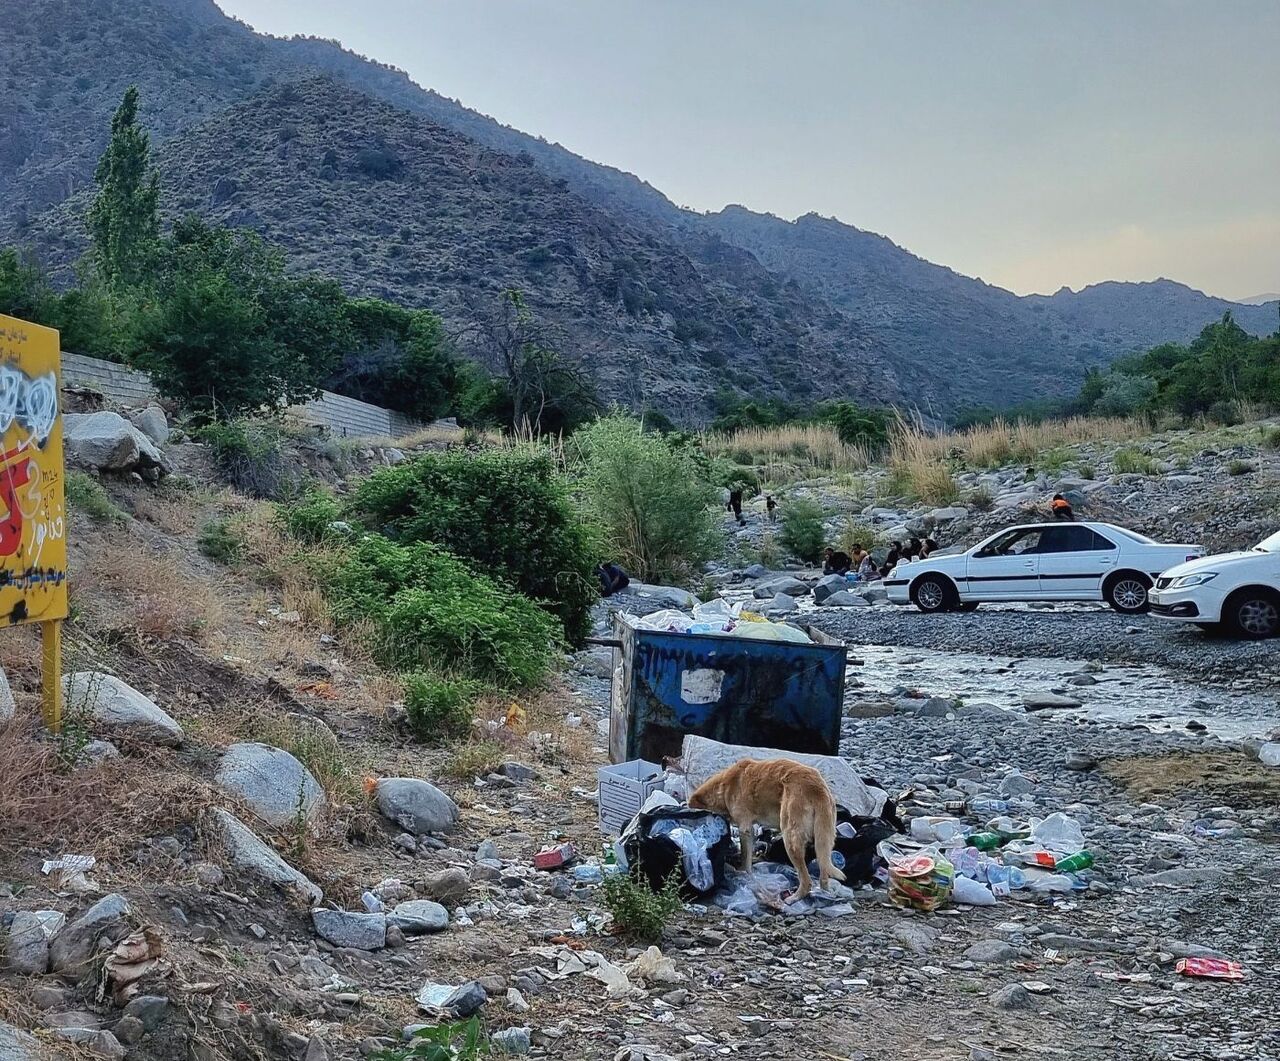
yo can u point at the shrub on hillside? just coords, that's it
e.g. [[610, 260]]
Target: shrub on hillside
[[250, 455], [439, 707], [310, 518], [507, 512], [802, 531], [427, 608], [651, 503]]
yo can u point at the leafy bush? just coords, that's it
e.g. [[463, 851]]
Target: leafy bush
[[981, 499], [649, 499], [428, 609], [1239, 467], [802, 530], [310, 518], [1131, 462], [1124, 395], [505, 511], [852, 534], [219, 541], [458, 1041], [250, 455], [85, 494], [439, 707], [637, 910], [1271, 438]]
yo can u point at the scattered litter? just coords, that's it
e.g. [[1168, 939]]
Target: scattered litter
[[1210, 968], [967, 890], [69, 871], [654, 968], [555, 857], [922, 881], [132, 959]]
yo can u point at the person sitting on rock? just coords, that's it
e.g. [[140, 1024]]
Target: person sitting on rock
[[912, 551], [835, 563], [928, 548], [867, 570], [612, 579], [891, 559], [1061, 508], [855, 557]]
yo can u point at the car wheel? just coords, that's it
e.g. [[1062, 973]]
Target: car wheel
[[933, 593], [1253, 613], [1127, 592], [967, 606]]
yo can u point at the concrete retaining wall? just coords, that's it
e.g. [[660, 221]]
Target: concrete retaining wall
[[343, 417]]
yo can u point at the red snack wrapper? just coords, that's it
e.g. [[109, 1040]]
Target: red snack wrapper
[[1212, 968], [554, 857]]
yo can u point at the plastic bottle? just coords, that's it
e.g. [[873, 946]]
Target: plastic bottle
[[1074, 863], [984, 841], [1051, 882], [1004, 879], [986, 805]]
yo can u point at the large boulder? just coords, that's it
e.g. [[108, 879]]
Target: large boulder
[[27, 949], [271, 783], [250, 855], [108, 442], [76, 944], [17, 1045], [416, 806], [780, 605], [845, 599], [117, 710], [828, 585], [791, 587], [152, 422]]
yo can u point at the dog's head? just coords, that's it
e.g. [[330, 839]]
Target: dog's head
[[713, 794]]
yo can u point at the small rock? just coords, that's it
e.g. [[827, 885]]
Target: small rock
[[344, 928], [449, 887], [100, 1043], [129, 1030], [419, 917], [1016, 784], [17, 1045], [149, 1009], [1012, 996], [249, 854], [487, 851], [991, 950], [1048, 702], [74, 946], [515, 1001], [518, 772], [1080, 761], [466, 1000], [27, 949]]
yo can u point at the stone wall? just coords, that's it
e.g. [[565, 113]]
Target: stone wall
[[341, 416]]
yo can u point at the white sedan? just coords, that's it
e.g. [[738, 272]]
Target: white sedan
[[1240, 590], [1059, 561]]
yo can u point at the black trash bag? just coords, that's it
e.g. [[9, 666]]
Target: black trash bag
[[652, 858], [890, 810], [858, 851]]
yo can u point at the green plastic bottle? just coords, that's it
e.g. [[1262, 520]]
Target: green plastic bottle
[[984, 841], [1073, 863]]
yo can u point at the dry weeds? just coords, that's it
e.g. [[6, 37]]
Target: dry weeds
[[790, 451]]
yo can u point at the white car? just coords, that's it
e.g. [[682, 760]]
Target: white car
[[1058, 561], [1240, 590]]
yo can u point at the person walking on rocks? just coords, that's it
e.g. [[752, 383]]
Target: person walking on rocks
[[735, 504]]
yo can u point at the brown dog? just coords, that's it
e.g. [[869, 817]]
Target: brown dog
[[780, 794]]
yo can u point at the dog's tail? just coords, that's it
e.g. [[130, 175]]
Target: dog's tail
[[824, 840]]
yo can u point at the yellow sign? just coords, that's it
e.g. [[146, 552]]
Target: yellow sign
[[33, 518]]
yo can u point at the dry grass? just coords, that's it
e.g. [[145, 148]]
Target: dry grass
[[106, 809], [130, 584], [430, 435], [794, 448], [998, 443]]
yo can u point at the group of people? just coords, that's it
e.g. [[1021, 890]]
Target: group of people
[[861, 563], [734, 505]]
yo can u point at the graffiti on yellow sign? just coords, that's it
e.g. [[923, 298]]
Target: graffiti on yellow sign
[[33, 521]]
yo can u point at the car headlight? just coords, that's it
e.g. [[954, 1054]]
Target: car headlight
[[1187, 581]]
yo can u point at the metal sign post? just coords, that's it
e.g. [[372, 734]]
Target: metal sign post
[[33, 516]]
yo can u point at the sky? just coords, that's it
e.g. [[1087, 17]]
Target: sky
[[1032, 143]]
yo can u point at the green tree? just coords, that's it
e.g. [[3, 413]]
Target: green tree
[[23, 290], [803, 532], [124, 219], [228, 332], [649, 498]]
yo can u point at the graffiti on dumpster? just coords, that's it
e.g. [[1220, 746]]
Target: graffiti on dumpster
[[33, 523]]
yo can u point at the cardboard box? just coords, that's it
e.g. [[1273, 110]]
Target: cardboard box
[[623, 790]]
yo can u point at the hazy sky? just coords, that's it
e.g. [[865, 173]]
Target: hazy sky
[[1034, 143]]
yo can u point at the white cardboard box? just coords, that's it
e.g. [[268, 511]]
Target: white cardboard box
[[623, 790]]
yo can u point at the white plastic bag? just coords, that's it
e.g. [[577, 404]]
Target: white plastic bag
[[1059, 832]]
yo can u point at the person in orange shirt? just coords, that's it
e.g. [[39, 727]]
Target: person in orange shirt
[[1061, 508]]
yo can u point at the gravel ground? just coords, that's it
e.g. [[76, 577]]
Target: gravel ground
[[1075, 633]]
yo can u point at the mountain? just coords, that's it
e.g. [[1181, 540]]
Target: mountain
[[1259, 300], [395, 206], [668, 306]]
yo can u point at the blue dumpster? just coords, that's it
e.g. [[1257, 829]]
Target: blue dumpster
[[735, 690]]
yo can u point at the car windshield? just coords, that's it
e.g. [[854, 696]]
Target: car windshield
[[1269, 545]]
